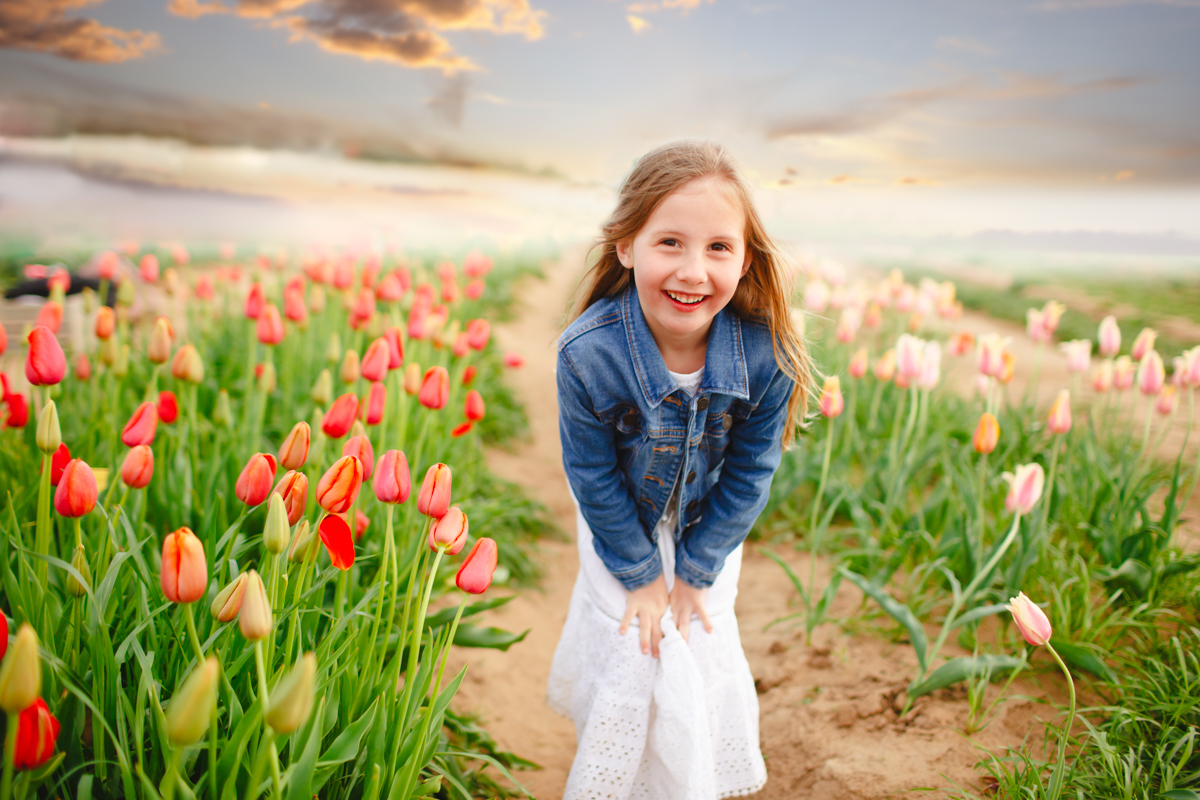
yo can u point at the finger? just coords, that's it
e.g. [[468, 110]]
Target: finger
[[683, 621], [644, 629], [656, 634], [625, 620], [703, 614]]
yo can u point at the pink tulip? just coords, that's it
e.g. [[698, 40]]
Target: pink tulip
[[45, 364], [1079, 354], [255, 301], [360, 448], [832, 404], [478, 333], [149, 268], [1109, 335], [848, 324], [1060, 413], [1030, 620], [374, 365], [1151, 375], [392, 483], [270, 326], [1123, 373], [435, 388], [1166, 401], [1192, 376], [931, 366], [816, 297], [1051, 313], [1102, 378], [991, 354], [434, 497], [858, 363], [475, 574], [909, 352], [1035, 326], [376, 402], [449, 531], [1143, 344], [1024, 488], [395, 347], [885, 367]]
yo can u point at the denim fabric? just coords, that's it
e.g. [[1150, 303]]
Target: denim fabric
[[629, 436]]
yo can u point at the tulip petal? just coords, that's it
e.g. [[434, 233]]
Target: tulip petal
[[335, 534]]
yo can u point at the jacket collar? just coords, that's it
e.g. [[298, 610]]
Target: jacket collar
[[724, 358]]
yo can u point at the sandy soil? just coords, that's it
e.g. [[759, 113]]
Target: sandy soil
[[830, 727]]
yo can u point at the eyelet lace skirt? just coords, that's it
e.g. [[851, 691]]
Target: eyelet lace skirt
[[683, 726]]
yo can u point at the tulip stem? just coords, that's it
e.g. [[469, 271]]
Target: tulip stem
[[1050, 484], [191, 629], [1060, 769], [383, 568], [815, 534], [268, 734], [418, 631], [437, 687], [168, 783], [42, 536], [10, 751], [875, 397], [416, 459], [977, 555]]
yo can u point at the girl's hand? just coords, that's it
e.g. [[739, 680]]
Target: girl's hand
[[648, 603], [685, 601]]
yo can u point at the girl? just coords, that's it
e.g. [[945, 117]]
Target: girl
[[680, 381]]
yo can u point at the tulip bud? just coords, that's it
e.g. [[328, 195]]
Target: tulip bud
[[106, 323], [392, 482], [339, 486], [189, 710], [1123, 373], [80, 563], [149, 268], [987, 434], [858, 363], [292, 699], [301, 539], [1102, 378], [412, 378], [167, 406], [1079, 354], [254, 484], [187, 364], [1060, 413], [223, 414], [58, 463], [395, 347], [931, 366], [514, 360], [478, 332], [322, 391], [294, 450], [1143, 344], [435, 388], [77, 491], [909, 352], [333, 352], [376, 403], [49, 433], [885, 367], [1109, 335], [184, 576], [1008, 366], [276, 531], [159, 349], [138, 467], [36, 734], [340, 416], [293, 488], [21, 672], [1166, 401], [434, 498], [448, 533], [265, 377], [45, 364], [475, 574], [269, 327], [1031, 620], [50, 315], [108, 350], [125, 293], [1151, 374], [350, 371], [255, 301], [991, 349], [375, 361], [832, 404], [228, 602], [255, 619], [360, 448], [469, 375], [335, 534], [1025, 487]]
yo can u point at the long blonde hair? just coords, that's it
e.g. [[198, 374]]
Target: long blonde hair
[[764, 292]]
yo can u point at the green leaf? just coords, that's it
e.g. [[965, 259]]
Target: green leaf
[[446, 615], [1081, 657], [976, 614], [302, 771], [495, 638], [959, 669], [900, 612], [345, 746], [1180, 794], [1133, 576]]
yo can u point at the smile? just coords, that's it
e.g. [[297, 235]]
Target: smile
[[686, 299]]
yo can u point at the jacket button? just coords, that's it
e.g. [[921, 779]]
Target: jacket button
[[691, 477], [727, 422], [702, 404], [692, 506], [630, 419]]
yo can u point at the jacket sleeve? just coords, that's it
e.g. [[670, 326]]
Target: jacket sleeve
[[590, 461], [733, 504]]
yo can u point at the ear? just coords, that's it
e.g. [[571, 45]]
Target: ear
[[746, 264], [625, 253]]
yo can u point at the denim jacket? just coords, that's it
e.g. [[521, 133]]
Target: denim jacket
[[630, 435]]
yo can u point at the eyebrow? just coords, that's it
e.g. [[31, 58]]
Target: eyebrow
[[679, 235]]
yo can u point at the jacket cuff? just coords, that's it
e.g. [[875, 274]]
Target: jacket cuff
[[687, 571], [641, 574]]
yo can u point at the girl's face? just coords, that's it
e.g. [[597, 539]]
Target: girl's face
[[687, 260]]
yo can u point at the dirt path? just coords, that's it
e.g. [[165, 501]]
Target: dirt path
[[829, 723]]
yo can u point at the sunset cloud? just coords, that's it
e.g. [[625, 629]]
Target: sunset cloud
[[637, 23], [43, 26]]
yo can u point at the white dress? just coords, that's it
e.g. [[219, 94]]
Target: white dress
[[683, 726]]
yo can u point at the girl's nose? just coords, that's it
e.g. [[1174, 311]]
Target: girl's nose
[[692, 269]]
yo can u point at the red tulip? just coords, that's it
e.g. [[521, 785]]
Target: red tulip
[[392, 482], [167, 406], [339, 486], [50, 315], [374, 366], [335, 534], [469, 375], [293, 305], [390, 290], [449, 532], [363, 309], [434, 497], [58, 462], [478, 332], [435, 388], [293, 488], [475, 574], [3, 344], [376, 401], [138, 468], [340, 416], [204, 288], [395, 348], [83, 367], [270, 326], [184, 576], [45, 365], [18, 411], [149, 268], [254, 484], [255, 301], [416, 322], [460, 348], [141, 426], [37, 732], [106, 265], [461, 429], [474, 407], [475, 288], [294, 450], [76, 492], [360, 448], [512, 359], [187, 364], [449, 290], [3, 635]]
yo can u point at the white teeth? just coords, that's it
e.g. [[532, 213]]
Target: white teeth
[[691, 301]]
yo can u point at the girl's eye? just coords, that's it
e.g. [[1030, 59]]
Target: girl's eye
[[669, 242], [721, 245]]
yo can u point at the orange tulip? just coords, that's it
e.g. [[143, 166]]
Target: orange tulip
[[434, 498], [50, 315], [293, 488], [1143, 344], [474, 407], [187, 364], [1060, 413], [270, 326], [138, 467], [45, 365], [412, 378], [351, 369], [340, 416], [254, 484], [375, 360], [392, 482], [376, 402], [184, 571], [159, 349], [149, 268], [987, 434], [449, 532], [106, 323], [294, 450], [339, 486], [885, 367], [435, 388], [475, 574], [1009, 365], [360, 448], [76, 492], [832, 403], [335, 534], [141, 426]]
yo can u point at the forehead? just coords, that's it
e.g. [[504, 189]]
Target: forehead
[[709, 205]]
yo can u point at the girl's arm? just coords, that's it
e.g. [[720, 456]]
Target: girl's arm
[[590, 461], [732, 505]]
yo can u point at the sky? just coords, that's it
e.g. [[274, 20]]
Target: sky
[[1089, 97]]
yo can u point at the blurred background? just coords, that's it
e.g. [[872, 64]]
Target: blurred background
[[992, 142]]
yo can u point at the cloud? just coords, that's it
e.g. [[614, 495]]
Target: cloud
[[913, 181], [43, 26], [638, 24], [448, 101], [964, 44], [193, 9], [1084, 5]]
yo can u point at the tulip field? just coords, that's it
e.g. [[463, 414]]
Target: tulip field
[[245, 515], [1000, 538]]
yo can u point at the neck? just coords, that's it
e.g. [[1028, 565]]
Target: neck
[[681, 353]]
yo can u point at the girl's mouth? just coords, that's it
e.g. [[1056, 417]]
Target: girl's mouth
[[685, 302]]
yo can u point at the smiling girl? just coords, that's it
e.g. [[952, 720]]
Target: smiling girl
[[681, 379]]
